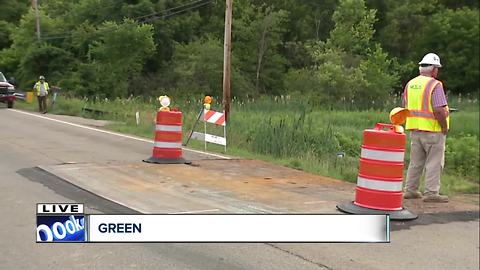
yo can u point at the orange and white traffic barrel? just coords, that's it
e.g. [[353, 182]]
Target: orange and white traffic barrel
[[167, 146], [380, 175]]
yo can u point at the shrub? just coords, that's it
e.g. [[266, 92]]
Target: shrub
[[462, 156]]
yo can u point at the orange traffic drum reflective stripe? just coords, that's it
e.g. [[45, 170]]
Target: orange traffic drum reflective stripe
[[168, 128], [392, 156], [375, 184], [168, 145]]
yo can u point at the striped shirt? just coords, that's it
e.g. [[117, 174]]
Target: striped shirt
[[438, 97]]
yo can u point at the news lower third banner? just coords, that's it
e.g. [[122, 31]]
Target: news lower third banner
[[65, 223]]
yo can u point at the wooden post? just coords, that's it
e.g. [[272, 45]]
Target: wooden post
[[37, 17], [227, 48]]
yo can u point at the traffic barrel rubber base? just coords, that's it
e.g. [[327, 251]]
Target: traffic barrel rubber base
[[352, 208], [167, 160]]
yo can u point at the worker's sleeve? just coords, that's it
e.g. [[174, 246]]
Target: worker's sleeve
[[404, 97], [438, 96]]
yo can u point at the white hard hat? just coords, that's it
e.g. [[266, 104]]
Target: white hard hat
[[431, 59]]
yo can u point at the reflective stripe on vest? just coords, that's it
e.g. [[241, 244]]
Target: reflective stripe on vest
[[379, 185], [418, 101], [422, 114]]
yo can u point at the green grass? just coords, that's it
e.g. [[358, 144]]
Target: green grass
[[464, 123], [293, 134], [452, 184]]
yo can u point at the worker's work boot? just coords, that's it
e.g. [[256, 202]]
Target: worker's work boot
[[412, 195], [436, 198]]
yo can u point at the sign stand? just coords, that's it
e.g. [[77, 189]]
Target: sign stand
[[205, 133], [194, 125], [212, 117]]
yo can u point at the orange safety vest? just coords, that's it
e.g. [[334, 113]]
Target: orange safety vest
[[418, 97]]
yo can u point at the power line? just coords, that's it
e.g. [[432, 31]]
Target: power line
[[178, 12], [186, 7], [169, 9]]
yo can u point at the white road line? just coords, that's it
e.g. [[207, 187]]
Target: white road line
[[261, 210], [315, 202], [110, 132], [195, 212]]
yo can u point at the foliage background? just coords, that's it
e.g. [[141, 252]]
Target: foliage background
[[362, 50]]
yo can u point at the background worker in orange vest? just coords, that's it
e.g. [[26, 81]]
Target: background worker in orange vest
[[41, 88], [428, 122]]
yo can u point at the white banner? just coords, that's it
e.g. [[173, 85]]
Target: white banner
[[239, 228]]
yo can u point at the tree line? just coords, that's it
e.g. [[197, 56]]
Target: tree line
[[328, 51]]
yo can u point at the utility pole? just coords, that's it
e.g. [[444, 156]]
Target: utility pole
[[37, 16], [227, 48]]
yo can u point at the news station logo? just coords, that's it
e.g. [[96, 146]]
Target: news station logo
[[60, 222]]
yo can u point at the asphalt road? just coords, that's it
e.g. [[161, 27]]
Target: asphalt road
[[27, 141]]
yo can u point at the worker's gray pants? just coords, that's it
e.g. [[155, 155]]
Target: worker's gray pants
[[427, 152]]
